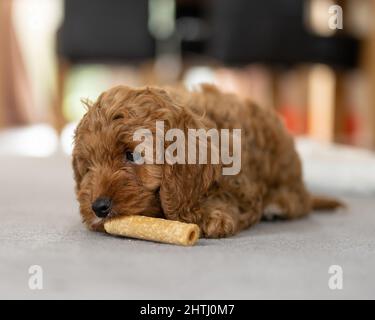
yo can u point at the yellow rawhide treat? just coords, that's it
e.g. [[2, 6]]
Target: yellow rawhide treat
[[154, 229]]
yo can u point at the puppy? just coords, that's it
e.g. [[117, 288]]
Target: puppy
[[110, 183]]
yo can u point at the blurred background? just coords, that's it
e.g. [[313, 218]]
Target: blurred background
[[283, 54], [295, 56]]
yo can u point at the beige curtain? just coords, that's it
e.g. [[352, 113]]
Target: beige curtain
[[15, 92]]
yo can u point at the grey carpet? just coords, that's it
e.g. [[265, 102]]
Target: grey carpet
[[40, 225]]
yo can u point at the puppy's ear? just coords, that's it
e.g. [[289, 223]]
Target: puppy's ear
[[184, 186], [76, 172]]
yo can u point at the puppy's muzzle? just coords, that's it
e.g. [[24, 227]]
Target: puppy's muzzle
[[102, 207]]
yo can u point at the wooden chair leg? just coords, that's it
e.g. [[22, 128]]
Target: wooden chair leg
[[368, 65], [321, 103], [59, 120], [340, 135], [2, 89]]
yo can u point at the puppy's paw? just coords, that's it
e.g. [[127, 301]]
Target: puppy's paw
[[218, 224]]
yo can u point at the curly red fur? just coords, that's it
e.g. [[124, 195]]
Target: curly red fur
[[271, 175]]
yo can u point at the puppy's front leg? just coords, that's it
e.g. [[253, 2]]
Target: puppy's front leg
[[221, 218], [216, 218], [218, 214]]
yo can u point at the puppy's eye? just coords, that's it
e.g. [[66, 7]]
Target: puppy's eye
[[129, 155], [134, 157]]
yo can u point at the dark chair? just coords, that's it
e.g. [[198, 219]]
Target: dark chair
[[101, 31], [110, 30], [273, 32]]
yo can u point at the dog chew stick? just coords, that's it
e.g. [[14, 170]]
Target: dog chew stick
[[154, 229]]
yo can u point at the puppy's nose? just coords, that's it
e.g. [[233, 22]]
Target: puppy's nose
[[102, 207]]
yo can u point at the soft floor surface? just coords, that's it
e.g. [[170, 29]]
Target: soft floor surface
[[40, 225]]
